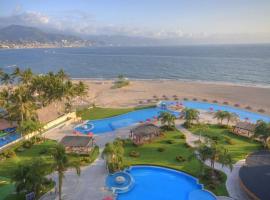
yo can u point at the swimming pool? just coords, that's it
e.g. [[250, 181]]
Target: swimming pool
[[243, 114], [128, 119], [159, 183], [120, 121], [10, 137]]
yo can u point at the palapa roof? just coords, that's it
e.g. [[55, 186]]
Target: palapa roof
[[255, 175], [246, 126], [76, 141], [145, 129]]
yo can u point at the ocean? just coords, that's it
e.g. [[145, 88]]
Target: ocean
[[236, 64]]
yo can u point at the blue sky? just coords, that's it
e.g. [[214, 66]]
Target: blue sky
[[153, 18]]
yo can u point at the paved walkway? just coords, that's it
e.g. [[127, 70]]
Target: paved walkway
[[232, 182]]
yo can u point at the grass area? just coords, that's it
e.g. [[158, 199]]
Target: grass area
[[174, 145], [6, 187], [238, 146], [100, 113], [41, 150]]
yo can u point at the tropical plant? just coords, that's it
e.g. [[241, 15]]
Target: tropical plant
[[225, 159], [262, 131], [61, 164], [190, 116], [114, 153], [220, 115], [167, 119], [231, 117], [30, 177]]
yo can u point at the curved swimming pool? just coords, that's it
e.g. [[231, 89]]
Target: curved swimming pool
[[128, 119], [120, 121], [159, 183]]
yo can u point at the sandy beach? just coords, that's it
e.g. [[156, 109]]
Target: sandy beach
[[101, 94]]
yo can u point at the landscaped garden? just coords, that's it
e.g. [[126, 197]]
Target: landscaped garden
[[25, 153], [172, 151], [238, 146]]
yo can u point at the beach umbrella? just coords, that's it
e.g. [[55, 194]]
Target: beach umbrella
[[246, 118], [90, 134], [148, 120], [211, 109]]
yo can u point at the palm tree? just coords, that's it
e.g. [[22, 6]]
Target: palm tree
[[30, 177], [113, 153], [191, 115], [225, 159], [231, 117], [61, 164], [262, 131], [6, 79], [168, 119], [26, 76], [220, 115]]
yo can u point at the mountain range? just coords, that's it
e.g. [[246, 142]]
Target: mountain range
[[16, 33]]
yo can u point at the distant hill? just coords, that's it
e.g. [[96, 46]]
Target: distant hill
[[17, 33]]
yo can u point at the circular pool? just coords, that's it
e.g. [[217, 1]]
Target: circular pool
[[120, 182], [159, 183]]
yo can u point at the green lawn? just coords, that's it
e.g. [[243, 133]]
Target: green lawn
[[100, 113], [37, 151], [238, 146], [150, 155]]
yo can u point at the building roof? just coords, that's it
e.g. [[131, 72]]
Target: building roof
[[76, 141], [4, 124], [255, 175], [246, 126], [145, 129]]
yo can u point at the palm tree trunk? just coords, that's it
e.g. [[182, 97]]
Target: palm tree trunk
[[60, 182]]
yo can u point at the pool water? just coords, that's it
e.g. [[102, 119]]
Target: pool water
[[120, 121], [160, 183], [8, 138]]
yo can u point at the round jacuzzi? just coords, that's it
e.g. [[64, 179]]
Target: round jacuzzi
[[119, 182]]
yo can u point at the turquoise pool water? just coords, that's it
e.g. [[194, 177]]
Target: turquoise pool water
[[9, 137], [120, 121], [158, 183]]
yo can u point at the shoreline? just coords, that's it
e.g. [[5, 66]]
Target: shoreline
[[220, 83]]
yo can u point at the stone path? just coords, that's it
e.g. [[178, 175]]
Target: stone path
[[232, 182]]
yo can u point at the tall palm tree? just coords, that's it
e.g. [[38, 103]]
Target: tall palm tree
[[262, 131], [61, 164], [167, 118], [225, 159], [231, 117], [191, 115], [26, 76]]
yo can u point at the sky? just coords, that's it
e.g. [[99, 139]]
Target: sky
[[225, 20]]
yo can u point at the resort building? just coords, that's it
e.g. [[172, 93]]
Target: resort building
[[244, 128], [144, 133], [78, 144], [255, 175]]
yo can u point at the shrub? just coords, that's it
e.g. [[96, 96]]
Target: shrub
[[194, 99], [20, 149], [182, 136], [180, 158], [43, 151], [9, 153], [134, 154], [215, 101], [170, 142], [205, 100], [229, 141], [27, 144], [226, 103], [161, 149], [236, 105], [185, 99], [187, 124]]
